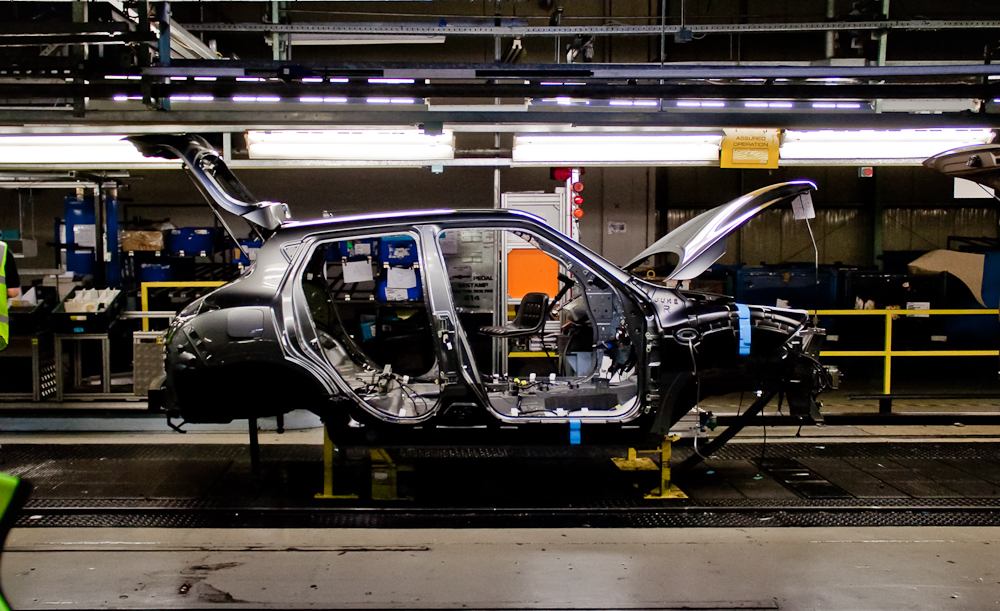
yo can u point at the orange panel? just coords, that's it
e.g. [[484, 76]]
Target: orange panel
[[531, 271]]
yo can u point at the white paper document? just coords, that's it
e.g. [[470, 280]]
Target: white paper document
[[401, 278], [358, 271]]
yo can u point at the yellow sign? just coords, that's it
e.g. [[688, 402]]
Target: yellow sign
[[751, 148]]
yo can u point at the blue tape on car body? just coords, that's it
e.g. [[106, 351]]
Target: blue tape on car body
[[744, 313], [574, 432]]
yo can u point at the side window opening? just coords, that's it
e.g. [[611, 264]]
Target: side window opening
[[367, 303], [561, 319]]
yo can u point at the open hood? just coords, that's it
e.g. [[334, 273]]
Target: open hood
[[701, 241], [214, 179], [979, 163]]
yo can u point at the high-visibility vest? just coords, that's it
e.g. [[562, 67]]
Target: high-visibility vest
[[4, 319]]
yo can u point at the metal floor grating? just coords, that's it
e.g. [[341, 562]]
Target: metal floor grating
[[797, 484]]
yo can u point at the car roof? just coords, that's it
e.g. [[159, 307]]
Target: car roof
[[412, 216]]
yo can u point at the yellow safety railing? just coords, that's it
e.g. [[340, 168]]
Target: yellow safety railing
[[887, 352], [145, 286]]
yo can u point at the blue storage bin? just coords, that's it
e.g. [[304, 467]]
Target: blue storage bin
[[191, 241], [155, 272], [398, 250], [252, 247], [415, 293], [359, 248]]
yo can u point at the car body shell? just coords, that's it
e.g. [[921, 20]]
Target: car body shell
[[251, 349]]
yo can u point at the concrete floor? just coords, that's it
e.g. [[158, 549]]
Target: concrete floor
[[809, 568], [844, 568]]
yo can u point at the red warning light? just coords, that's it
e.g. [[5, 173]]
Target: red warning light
[[578, 187], [577, 199], [561, 173], [578, 213]]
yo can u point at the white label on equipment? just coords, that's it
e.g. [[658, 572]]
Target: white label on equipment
[[918, 305], [358, 271], [401, 278], [362, 249], [395, 294], [85, 235]]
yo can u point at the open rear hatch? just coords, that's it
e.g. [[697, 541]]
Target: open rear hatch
[[701, 241], [215, 180], [979, 163]]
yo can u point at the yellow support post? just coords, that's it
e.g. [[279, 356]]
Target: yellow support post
[[328, 459], [667, 489], [887, 376], [634, 463], [385, 481], [145, 286], [887, 352]]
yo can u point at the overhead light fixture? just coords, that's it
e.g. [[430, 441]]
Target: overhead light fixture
[[616, 148], [403, 144], [931, 106], [78, 149], [878, 144]]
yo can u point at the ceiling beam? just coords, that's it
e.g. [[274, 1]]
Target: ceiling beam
[[487, 29], [19, 90], [256, 117]]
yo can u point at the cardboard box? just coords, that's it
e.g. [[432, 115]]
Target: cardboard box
[[142, 240]]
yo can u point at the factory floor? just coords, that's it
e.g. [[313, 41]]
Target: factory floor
[[822, 518]]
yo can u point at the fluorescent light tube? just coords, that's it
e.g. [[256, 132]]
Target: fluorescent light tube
[[878, 144], [351, 144], [79, 149], [611, 148]]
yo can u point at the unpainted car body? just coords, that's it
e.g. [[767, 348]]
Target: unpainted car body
[[292, 332]]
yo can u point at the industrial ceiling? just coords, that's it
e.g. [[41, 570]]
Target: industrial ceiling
[[657, 67]]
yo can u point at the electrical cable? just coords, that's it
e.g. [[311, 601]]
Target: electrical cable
[[763, 446], [696, 449], [697, 377]]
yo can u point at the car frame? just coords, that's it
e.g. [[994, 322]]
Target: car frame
[[253, 348]]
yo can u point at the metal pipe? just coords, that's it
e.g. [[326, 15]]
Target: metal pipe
[[830, 14], [883, 43]]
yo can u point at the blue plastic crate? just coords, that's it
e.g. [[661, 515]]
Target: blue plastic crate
[[412, 294], [368, 247], [252, 247], [398, 250], [191, 241]]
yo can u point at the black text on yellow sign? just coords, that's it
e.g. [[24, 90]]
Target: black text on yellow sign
[[750, 148]]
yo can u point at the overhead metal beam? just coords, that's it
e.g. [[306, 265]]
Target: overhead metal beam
[[43, 30], [257, 117], [76, 39], [758, 70], [594, 91], [597, 30], [187, 45], [95, 68]]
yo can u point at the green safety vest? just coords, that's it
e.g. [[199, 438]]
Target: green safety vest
[[11, 500], [4, 319]]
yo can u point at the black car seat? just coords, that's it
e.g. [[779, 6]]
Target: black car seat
[[529, 320]]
